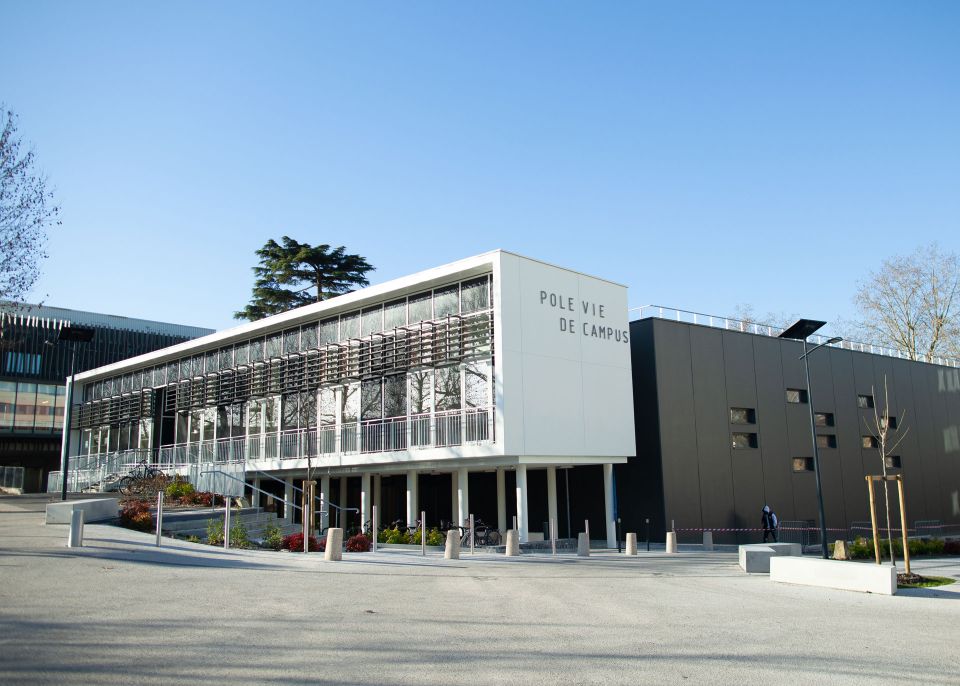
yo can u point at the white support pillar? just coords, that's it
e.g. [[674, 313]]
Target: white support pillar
[[412, 497], [463, 496], [325, 504], [288, 513], [608, 505], [364, 499], [552, 494], [342, 502], [455, 498], [501, 499], [523, 521]]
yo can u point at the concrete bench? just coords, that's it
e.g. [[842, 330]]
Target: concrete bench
[[95, 510], [755, 557], [846, 576]]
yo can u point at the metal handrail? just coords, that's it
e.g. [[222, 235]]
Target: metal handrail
[[732, 324]]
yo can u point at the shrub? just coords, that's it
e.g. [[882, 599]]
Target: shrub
[[272, 537], [193, 539], [135, 514], [358, 544], [238, 536], [436, 537], [393, 536], [205, 499], [179, 489], [951, 547], [215, 531], [294, 542]]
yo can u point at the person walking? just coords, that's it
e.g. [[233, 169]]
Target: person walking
[[769, 522]]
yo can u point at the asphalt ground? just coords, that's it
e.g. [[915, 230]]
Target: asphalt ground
[[121, 611]]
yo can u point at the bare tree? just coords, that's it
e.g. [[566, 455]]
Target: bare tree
[[27, 208], [910, 304], [776, 321], [881, 428]]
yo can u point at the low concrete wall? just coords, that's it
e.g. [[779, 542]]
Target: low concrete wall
[[847, 576], [93, 510], [755, 557]]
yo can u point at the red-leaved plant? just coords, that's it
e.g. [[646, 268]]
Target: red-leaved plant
[[294, 542], [358, 544]]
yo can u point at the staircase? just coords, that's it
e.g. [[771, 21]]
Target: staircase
[[194, 522]]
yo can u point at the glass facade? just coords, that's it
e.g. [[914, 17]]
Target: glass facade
[[415, 371], [31, 408]]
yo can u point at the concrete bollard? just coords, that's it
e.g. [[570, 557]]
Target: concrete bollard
[[334, 548], [513, 543], [452, 549], [840, 550], [583, 544], [631, 544], [75, 535], [708, 540], [671, 542]]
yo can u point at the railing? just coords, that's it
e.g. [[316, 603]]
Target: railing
[[442, 429], [730, 324], [11, 477]]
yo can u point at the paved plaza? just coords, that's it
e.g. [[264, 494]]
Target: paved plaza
[[121, 611]]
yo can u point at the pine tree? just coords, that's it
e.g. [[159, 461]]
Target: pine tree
[[295, 274]]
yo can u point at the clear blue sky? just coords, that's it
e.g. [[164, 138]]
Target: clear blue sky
[[705, 154]]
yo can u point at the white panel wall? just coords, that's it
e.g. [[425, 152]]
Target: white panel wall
[[564, 361]]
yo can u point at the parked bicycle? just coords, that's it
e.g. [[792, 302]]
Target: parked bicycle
[[483, 534], [142, 480]]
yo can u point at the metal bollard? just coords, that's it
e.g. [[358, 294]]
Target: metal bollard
[[373, 534], [226, 523], [423, 532], [75, 535], [159, 516], [472, 532], [553, 536]]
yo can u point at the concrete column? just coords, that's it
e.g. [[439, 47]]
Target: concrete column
[[288, 514], [342, 502], [365, 498], [608, 505], [463, 496], [254, 493], [523, 523], [552, 494], [325, 505], [412, 497], [501, 499], [454, 497]]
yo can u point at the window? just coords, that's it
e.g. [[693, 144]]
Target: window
[[889, 422], [744, 440], [826, 441], [328, 331], [743, 415], [796, 395], [22, 363], [474, 295], [394, 314], [892, 461], [869, 442], [865, 401], [823, 418], [803, 464], [446, 301]]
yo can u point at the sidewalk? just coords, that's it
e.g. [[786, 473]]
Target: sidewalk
[[121, 611]]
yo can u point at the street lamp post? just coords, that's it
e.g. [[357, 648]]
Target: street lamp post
[[801, 330], [74, 334]]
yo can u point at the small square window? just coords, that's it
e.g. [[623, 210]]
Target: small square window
[[803, 464], [865, 401], [744, 440], [743, 415], [892, 461], [869, 442], [826, 441], [890, 421], [823, 418], [796, 395]]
